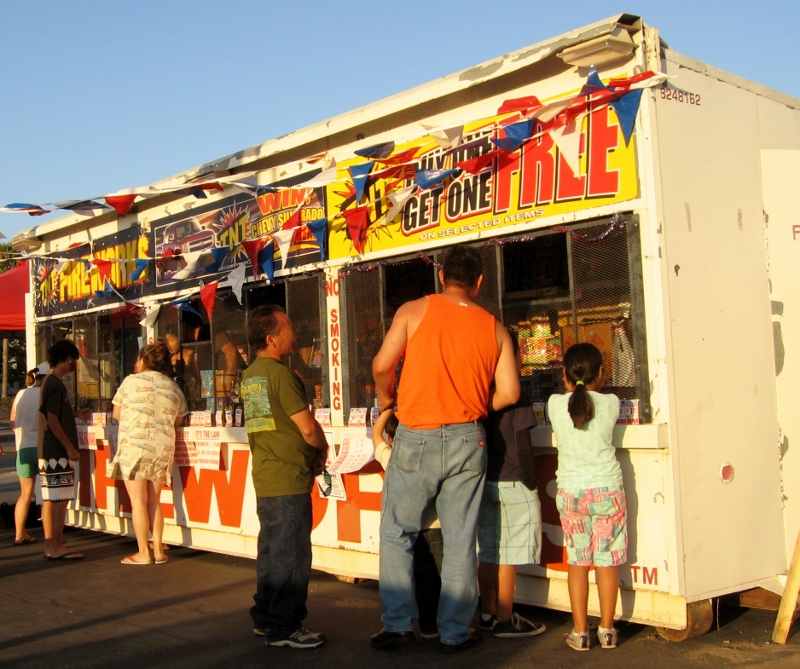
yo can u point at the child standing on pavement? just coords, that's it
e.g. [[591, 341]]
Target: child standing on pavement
[[428, 546], [590, 499], [510, 518]]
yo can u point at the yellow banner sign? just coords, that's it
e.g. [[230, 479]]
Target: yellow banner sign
[[537, 180]]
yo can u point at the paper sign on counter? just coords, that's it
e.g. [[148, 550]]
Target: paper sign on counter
[[337, 487], [355, 451]]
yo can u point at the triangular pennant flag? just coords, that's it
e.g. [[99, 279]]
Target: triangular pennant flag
[[183, 304], [295, 220], [447, 138], [429, 178], [398, 201], [151, 314], [122, 203], [549, 112], [399, 158], [61, 264], [107, 292], [103, 267], [208, 295], [639, 81], [480, 163], [359, 174], [236, 279], [141, 264], [626, 108], [627, 82], [267, 260], [218, 254], [84, 207], [568, 140], [327, 176], [199, 193], [319, 229], [525, 105], [21, 207], [252, 247], [521, 130], [593, 83], [191, 258], [284, 241], [357, 223], [377, 151], [507, 145], [398, 172]]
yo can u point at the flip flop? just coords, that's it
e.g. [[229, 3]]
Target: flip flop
[[166, 559], [26, 540], [130, 560], [69, 555]]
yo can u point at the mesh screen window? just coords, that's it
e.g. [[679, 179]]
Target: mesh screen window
[[570, 287], [107, 344], [553, 288]]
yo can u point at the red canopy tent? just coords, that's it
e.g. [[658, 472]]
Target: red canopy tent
[[13, 285]]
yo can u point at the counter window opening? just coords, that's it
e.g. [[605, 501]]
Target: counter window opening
[[108, 345], [209, 356], [554, 288]]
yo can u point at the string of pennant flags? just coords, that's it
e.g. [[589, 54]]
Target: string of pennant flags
[[522, 120], [558, 118]]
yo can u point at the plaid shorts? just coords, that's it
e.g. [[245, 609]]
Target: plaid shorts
[[595, 526], [509, 524]]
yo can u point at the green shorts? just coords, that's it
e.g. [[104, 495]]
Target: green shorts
[[27, 463]]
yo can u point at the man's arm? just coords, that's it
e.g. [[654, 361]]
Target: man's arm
[[310, 430], [506, 376], [384, 365], [58, 432]]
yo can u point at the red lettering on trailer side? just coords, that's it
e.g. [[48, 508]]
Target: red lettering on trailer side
[[101, 483], [568, 185], [507, 167], [331, 287], [335, 346], [348, 513], [283, 199], [537, 178], [603, 139], [229, 491], [650, 576]]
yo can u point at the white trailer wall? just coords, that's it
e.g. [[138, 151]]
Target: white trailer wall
[[719, 332]]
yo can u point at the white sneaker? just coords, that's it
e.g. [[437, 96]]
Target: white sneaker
[[607, 637], [577, 641]]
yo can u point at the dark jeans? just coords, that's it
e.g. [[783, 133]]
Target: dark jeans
[[427, 579], [283, 566]]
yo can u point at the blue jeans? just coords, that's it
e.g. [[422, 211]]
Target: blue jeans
[[283, 566], [447, 464]]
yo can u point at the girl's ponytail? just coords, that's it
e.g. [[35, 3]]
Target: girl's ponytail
[[582, 364]]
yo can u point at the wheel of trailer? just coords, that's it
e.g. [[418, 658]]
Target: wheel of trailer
[[699, 616]]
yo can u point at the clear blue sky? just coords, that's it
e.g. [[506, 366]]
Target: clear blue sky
[[100, 95]]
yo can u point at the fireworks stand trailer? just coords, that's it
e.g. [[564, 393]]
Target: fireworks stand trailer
[[620, 194]]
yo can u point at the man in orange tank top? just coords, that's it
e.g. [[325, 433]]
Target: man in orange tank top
[[459, 364]]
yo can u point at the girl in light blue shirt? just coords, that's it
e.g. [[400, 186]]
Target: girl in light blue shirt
[[590, 500]]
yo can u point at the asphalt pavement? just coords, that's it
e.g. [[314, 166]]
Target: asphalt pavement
[[192, 612]]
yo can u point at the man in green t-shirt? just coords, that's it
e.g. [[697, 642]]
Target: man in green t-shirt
[[288, 448]]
